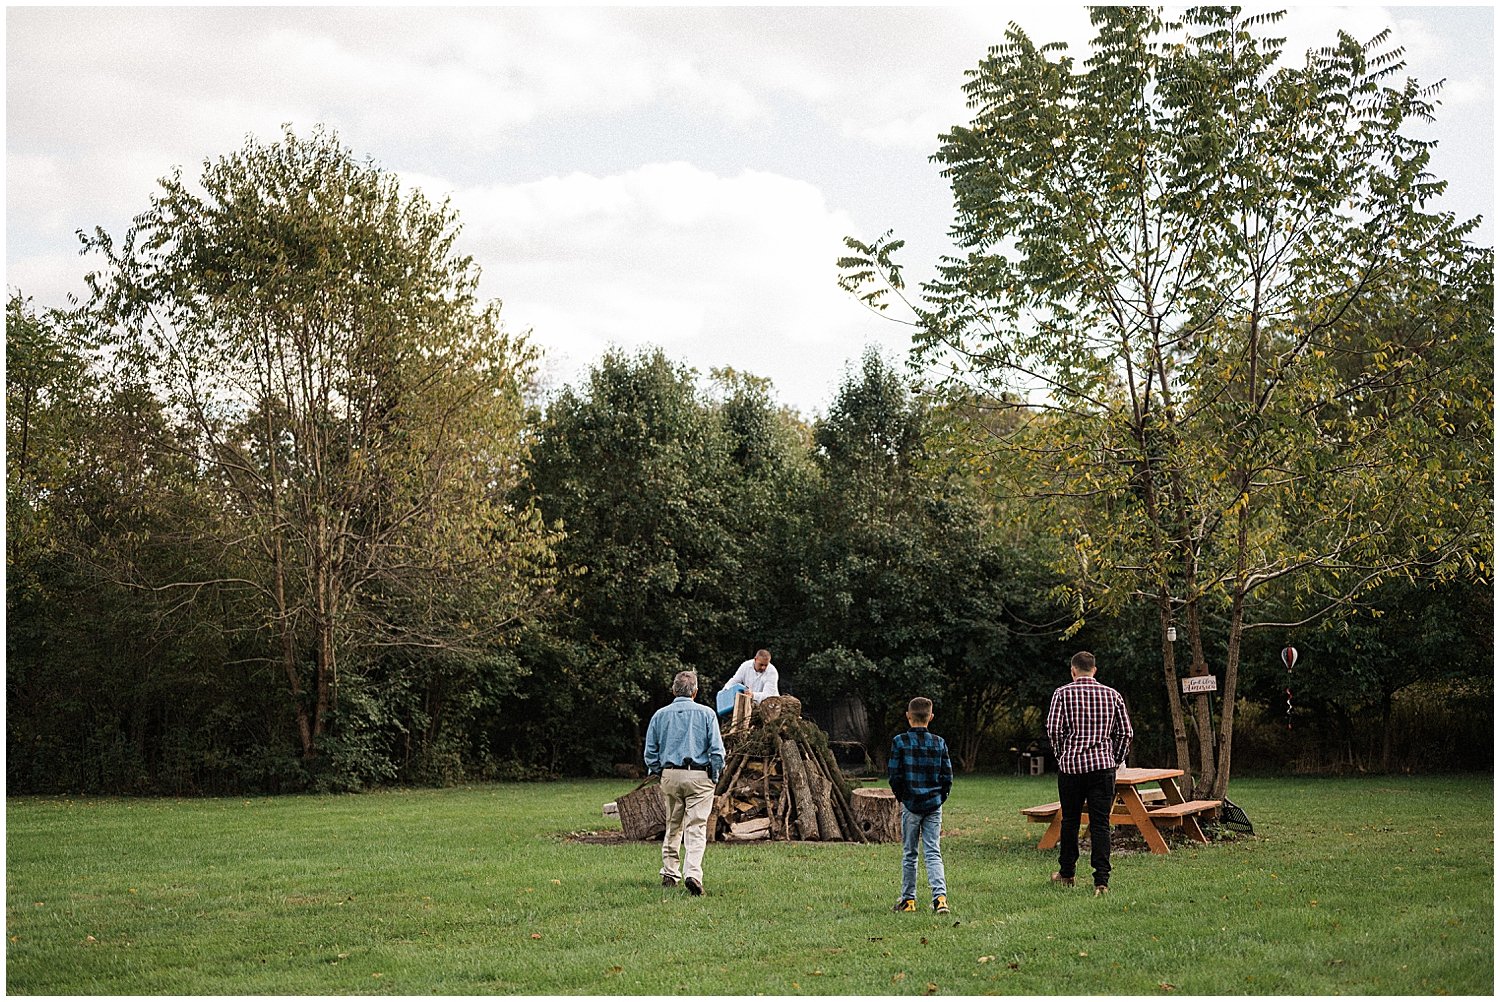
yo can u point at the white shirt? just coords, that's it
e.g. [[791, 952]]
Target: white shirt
[[760, 683]]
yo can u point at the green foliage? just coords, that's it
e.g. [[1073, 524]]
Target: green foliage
[[281, 518], [1205, 283], [350, 420], [908, 592]]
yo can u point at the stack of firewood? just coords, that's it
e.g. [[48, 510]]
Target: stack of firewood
[[780, 781]]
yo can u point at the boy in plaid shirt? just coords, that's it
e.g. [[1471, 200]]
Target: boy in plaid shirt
[[921, 776]]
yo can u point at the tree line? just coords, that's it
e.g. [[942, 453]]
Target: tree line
[[286, 509]]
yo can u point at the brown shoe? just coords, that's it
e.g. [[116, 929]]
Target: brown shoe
[[1058, 878], [1100, 890], [668, 881], [694, 888]]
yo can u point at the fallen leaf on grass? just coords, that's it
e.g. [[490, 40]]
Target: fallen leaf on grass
[[898, 976], [1083, 953], [616, 969], [536, 935], [1164, 986], [924, 940], [557, 882], [931, 988], [986, 960], [1014, 965]]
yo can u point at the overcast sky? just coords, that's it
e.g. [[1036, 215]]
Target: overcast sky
[[627, 176]]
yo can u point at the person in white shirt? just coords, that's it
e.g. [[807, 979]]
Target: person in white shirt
[[757, 675]]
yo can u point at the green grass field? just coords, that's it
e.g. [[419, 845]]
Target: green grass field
[[1368, 886]]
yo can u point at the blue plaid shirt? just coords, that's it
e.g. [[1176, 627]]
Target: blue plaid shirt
[[920, 772]]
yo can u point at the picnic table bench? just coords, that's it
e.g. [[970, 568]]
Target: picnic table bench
[[1149, 810]]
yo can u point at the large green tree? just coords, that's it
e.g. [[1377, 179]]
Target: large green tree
[[1246, 357], [358, 409], [908, 588], [635, 468]]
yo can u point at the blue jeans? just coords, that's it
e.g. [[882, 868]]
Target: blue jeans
[[923, 828]]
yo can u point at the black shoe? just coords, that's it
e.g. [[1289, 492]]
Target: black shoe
[[694, 888], [668, 881]]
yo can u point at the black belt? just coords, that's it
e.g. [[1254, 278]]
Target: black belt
[[689, 766]]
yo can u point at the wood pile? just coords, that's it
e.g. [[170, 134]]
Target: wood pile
[[780, 782]]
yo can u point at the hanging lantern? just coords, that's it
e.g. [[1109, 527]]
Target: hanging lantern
[[1289, 658]]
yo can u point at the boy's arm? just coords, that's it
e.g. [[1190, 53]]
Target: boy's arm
[[945, 773], [895, 770]]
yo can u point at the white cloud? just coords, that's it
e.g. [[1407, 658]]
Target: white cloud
[[732, 266], [716, 270]]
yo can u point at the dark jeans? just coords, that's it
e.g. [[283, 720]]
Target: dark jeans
[[1097, 789]]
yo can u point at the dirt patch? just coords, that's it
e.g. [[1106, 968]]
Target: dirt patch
[[608, 837]]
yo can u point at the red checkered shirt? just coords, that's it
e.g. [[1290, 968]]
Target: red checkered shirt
[[1088, 727]]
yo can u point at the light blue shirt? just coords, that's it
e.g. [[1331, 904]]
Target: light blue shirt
[[684, 731]]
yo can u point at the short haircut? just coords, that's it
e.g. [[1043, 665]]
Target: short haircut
[[685, 684], [920, 708], [763, 651], [1083, 661]]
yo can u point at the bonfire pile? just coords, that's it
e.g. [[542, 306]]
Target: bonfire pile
[[780, 782]]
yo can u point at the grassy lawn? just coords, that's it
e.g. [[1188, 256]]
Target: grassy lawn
[[1366, 886]]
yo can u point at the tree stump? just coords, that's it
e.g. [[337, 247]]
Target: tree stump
[[878, 813], [643, 813], [775, 706]]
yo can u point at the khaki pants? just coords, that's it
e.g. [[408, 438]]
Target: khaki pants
[[689, 796]]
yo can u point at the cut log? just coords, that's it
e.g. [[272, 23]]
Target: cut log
[[823, 804], [802, 798], [744, 707], [878, 814], [643, 813], [758, 828]]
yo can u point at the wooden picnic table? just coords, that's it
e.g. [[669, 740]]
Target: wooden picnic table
[[1149, 810]]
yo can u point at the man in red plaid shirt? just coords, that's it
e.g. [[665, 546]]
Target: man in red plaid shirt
[[1090, 733]]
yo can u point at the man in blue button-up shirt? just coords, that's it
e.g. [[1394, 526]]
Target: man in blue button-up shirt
[[684, 747]]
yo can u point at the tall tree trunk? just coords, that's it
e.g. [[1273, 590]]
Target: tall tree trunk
[[1174, 698], [1202, 726], [278, 571], [1232, 661]]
